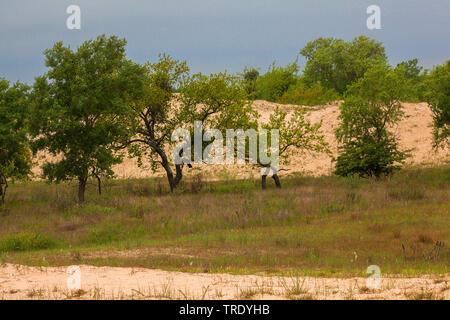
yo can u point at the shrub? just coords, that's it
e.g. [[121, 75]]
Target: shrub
[[301, 95], [367, 147], [26, 242], [249, 76]]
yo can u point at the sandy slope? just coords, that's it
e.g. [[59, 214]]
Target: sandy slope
[[20, 282], [414, 132]]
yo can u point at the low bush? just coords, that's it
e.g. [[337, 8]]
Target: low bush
[[301, 95], [26, 242]]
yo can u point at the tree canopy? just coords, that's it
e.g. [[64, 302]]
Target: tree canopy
[[78, 108], [372, 106], [439, 101], [335, 63], [15, 155], [219, 101]]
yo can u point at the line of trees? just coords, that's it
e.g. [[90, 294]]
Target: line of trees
[[93, 104], [332, 66]]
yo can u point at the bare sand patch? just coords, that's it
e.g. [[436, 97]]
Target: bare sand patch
[[414, 132], [23, 282]]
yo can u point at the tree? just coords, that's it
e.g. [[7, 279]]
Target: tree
[[439, 101], [335, 64], [414, 80], [371, 107], [295, 134], [15, 155], [79, 106], [250, 75], [276, 81], [219, 101], [410, 68]]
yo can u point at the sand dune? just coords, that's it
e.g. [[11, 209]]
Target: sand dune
[[414, 132]]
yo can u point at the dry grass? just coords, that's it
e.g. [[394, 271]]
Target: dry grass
[[323, 226]]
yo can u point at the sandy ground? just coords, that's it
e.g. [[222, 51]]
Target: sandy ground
[[22, 282], [414, 132]]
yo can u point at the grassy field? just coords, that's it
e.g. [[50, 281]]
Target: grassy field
[[326, 226]]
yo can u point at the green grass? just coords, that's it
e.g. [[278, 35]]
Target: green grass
[[312, 226], [25, 242]]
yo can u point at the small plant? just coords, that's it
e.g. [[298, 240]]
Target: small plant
[[295, 288], [332, 207], [247, 293], [196, 184], [423, 295]]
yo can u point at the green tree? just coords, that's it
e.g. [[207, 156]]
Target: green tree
[[79, 106], [296, 134], [414, 80], [155, 116], [250, 75], [439, 100], [335, 63], [220, 101], [371, 107], [276, 81], [15, 155]]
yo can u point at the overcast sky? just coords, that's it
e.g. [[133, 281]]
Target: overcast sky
[[217, 35]]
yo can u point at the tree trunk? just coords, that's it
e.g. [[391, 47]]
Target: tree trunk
[[81, 189], [173, 181], [263, 181], [3, 190], [169, 174], [277, 180], [178, 175], [1, 194], [99, 184]]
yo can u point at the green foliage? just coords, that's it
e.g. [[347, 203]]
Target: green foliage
[[273, 84], [154, 116], [79, 106], [367, 147], [296, 133], [220, 101], [335, 64], [439, 101], [26, 242], [250, 75], [406, 194], [15, 155], [301, 95], [414, 80]]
